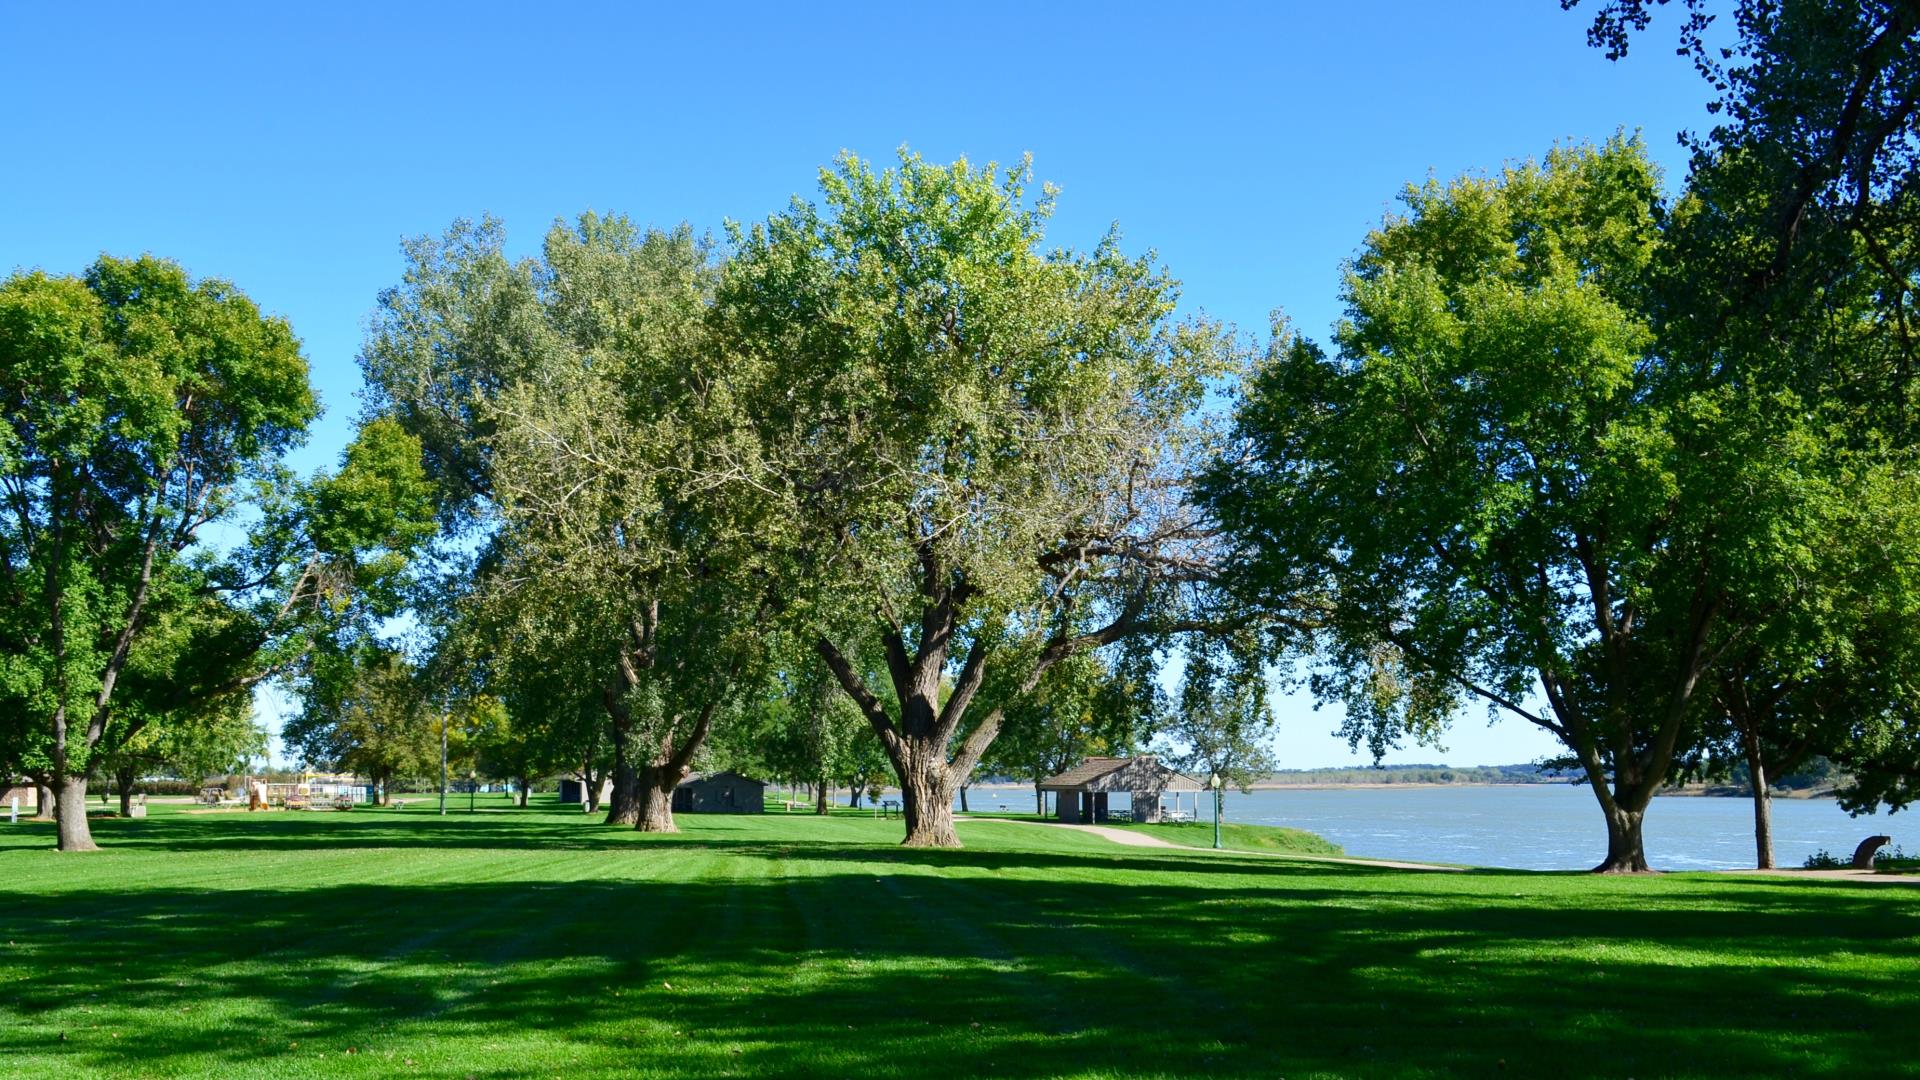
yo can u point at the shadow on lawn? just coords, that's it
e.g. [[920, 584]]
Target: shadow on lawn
[[870, 974], [519, 831]]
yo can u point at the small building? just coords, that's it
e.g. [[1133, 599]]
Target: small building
[[574, 790], [1081, 792], [720, 793]]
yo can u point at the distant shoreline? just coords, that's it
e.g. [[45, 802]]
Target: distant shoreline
[[1697, 791]]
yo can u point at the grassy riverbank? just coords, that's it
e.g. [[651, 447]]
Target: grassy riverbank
[[510, 943]]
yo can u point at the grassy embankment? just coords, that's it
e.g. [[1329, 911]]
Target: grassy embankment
[[509, 943]]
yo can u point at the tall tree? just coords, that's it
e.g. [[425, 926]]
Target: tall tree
[[567, 403], [1505, 488], [980, 447], [1089, 704], [140, 405], [366, 712], [1794, 267], [1220, 723]]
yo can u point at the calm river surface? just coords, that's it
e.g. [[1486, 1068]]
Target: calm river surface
[[1554, 826], [1539, 826]]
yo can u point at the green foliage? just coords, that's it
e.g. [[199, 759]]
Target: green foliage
[[1219, 722], [1518, 477], [976, 448], [366, 712], [144, 406], [1088, 704]]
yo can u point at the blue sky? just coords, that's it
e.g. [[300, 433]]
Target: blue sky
[[1251, 145]]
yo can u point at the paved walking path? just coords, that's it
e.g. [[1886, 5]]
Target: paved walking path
[[1134, 838], [1835, 875]]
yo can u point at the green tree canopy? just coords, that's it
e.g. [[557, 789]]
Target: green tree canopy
[[978, 446]]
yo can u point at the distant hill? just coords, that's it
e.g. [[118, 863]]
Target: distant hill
[[1417, 774]]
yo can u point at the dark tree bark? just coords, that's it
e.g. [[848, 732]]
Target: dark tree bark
[[123, 778], [917, 743], [526, 785], [623, 805], [670, 765], [1039, 800], [70, 814], [963, 799], [653, 807], [43, 800], [1762, 805], [822, 798], [1626, 849]]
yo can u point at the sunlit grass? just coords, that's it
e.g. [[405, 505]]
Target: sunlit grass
[[516, 943]]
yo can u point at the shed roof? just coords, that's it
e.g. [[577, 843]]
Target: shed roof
[[1144, 773], [729, 775]]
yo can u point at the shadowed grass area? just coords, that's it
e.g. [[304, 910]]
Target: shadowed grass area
[[515, 943]]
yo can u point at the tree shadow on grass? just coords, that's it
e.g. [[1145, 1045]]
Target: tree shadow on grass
[[735, 961]]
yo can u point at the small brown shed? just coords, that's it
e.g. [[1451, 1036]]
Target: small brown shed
[[720, 793], [1082, 790]]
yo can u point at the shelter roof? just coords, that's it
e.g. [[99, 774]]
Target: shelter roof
[[1144, 773]]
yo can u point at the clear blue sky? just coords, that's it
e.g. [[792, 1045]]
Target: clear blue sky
[[1251, 145]]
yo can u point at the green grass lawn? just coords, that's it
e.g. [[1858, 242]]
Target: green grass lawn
[[1237, 837], [536, 943]]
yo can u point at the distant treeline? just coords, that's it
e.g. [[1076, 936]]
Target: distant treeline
[[1420, 774], [1815, 777]]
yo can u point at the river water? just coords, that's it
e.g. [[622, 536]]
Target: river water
[[1539, 826], [1554, 826]]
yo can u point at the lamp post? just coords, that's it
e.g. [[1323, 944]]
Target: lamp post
[[473, 784], [1214, 782]]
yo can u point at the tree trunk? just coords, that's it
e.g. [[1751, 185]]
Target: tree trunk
[[589, 787], [70, 810], [123, 779], [43, 802], [963, 800], [1762, 804], [526, 785], [623, 807], [653, 799], [1626, 851], [926, 798], [853, 800], [1039, 800]]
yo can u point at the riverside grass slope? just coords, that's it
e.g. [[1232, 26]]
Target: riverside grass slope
[[534, 943]]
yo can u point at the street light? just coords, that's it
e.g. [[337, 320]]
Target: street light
[[1214, 782]]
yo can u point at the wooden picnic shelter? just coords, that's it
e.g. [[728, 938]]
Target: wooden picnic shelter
[[1081, 792]]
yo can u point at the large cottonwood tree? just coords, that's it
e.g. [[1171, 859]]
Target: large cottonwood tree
[[569, 406], [979, 446]]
